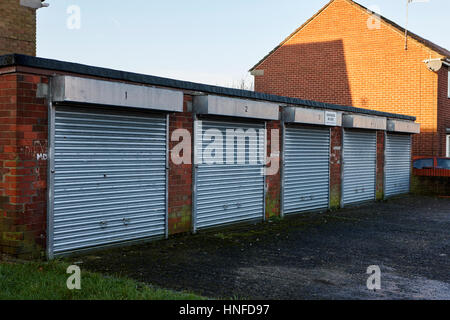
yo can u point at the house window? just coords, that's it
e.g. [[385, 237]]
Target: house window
[[424, 163], [448, 85], [448, 145]]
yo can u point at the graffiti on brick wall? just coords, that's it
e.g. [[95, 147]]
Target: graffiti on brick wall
[[41, 156], [335, 156], [38, 151]]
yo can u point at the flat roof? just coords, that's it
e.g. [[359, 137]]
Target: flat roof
[[62, 66]]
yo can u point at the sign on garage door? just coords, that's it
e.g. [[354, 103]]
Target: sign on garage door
[[398, 164], [360, 155], [229, 180], [109, 182], [306, 169]]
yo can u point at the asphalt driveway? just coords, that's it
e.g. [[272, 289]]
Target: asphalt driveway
[[308, 256]]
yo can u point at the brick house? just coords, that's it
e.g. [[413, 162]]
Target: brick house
[[346, 55]]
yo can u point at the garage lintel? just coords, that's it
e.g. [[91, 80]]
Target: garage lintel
[[69, 89], [364, 122], [403, 126], [225, 106], [312, 116]]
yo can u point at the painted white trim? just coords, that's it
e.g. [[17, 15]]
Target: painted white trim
[[448, 84], [448, 145]]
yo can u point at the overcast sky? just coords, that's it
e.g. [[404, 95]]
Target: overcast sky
[[208, 41]]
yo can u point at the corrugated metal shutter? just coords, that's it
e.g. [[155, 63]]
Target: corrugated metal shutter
[[360, 156], [229, 193], [398, 164], [110, 177], [306, 169]]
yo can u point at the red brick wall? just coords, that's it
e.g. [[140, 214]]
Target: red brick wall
[[336, 58], [380, 165], [180, 176], [443, 110], [23, 140], [273, 181], [17, 28], [335, 167]]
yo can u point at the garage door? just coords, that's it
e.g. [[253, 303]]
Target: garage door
[[398, 164], [306, 169], [109, 177], [232, 189], [360, 155]]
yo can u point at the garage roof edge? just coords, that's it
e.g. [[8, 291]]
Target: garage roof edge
[[62, 66]]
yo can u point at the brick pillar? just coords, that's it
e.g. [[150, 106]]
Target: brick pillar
[[17, 28], [180, 175], [23, 159], [335, 167], [273, 181], [380, 165]]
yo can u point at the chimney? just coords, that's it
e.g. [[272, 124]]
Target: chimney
[[18, 26]]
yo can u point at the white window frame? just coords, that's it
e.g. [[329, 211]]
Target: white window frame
[[447, 139], [448, 83]]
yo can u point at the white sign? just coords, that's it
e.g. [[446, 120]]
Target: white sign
[[330, 118]]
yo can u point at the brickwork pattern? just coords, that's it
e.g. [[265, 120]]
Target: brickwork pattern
[[17, 28], [23, 165], [336, 58]]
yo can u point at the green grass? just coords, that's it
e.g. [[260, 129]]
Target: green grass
[[47, 281]]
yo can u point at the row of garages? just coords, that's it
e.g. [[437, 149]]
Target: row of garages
[[109, 161], [306, 172]]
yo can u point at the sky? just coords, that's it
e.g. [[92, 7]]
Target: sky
[[207, 41]]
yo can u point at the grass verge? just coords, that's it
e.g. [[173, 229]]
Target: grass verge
[[47, 281]]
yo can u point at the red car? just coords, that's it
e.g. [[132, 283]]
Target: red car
[[431, 166]]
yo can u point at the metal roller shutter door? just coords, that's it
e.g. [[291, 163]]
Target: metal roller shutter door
[[229, 193], [360, 156], [109, 179], [306, 169], [398, 164]]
